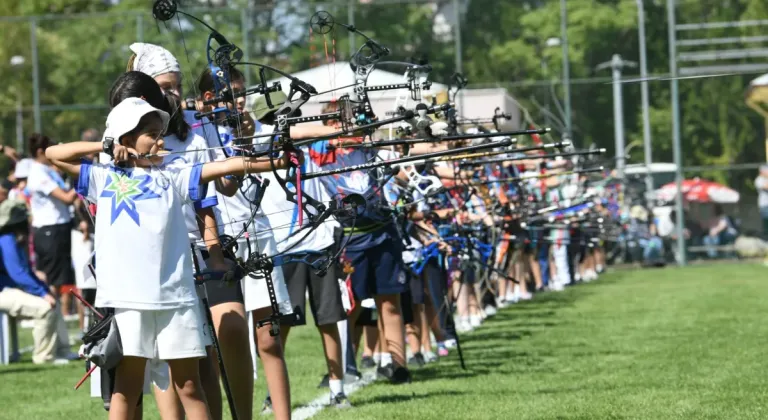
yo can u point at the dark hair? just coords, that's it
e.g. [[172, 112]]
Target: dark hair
[[135, 84], [16, 228], [718, 209], [38, 141], [205, 81]]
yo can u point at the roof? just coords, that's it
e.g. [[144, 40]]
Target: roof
[[760, 81], [339, 74]]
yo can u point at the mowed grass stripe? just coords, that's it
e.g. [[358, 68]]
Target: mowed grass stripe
[[672, 343], [650, 344]]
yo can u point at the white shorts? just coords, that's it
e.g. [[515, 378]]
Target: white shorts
[[255, 290], [81, 257], [162, 334]]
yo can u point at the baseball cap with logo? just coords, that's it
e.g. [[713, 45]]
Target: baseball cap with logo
[[125, 117], [261, 109]]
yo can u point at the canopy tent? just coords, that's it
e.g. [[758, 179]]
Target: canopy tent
[[700, 191], [478, 103]]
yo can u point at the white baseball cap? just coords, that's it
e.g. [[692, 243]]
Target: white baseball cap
[[22, 168], [125, 117]]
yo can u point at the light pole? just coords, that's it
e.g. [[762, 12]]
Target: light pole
[[644, 96], [566, 68], [616, 65], [677, 152], [16, 62]]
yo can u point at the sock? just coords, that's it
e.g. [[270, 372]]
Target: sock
[[337, 386], [386, 359]]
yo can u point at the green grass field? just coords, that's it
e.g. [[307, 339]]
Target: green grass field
[[651, 344]]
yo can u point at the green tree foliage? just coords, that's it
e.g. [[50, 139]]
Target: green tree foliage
[[504, 43]]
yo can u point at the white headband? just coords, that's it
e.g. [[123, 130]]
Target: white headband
[[154, 60]]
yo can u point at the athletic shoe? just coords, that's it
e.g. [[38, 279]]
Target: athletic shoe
[[442, 350], [266, 408], [490, 310], [464, 327], [417, 359], [340, 401], [324, 382], [385, 372], [351, 376], [526, 296], [475, 321], [450, 343], [367, 362], [431, 357], [400, 375]]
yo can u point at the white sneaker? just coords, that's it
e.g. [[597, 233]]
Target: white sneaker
[[475, 321], [501, 303], [526, 296], [430, 357], [577, 276], [463, 327], [557, 287], [450, 343], [490, 310]]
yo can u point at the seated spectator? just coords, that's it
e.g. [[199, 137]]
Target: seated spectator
[[20, 174], [23, 294], [722, 232], [692, 231]]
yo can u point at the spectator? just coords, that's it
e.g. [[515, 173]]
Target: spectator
[[722, 232], [692, 231], [761, 184], [20, 174], [22, 294], [51, 221]]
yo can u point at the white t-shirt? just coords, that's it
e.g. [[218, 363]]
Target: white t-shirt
[[143, 258], [283, 215], [195, 148], [46, 210], [232, 213], [189, 152]]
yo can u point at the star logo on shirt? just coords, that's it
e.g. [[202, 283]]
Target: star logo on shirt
[[125, 190]]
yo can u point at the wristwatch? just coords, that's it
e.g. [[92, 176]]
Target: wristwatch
[[108, 146]]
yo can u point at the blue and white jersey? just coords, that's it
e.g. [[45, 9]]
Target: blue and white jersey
[[143, 260], [373, 227]]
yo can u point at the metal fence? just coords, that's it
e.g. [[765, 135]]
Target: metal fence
[[268, 34]]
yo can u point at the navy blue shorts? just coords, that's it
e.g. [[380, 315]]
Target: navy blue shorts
[[378, 270]]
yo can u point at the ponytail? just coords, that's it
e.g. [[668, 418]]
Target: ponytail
[[177, 125], [131, 60], [135, 84]]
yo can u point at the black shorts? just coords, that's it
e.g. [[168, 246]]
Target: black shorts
[[368, 318], [53, 249], [416, 283], [324, 294], [220, 292], [406, 307]]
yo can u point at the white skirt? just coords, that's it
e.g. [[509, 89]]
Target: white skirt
[[255, 290]]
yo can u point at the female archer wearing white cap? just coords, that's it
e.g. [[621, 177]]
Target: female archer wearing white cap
[[224, 301], [141, 231]]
